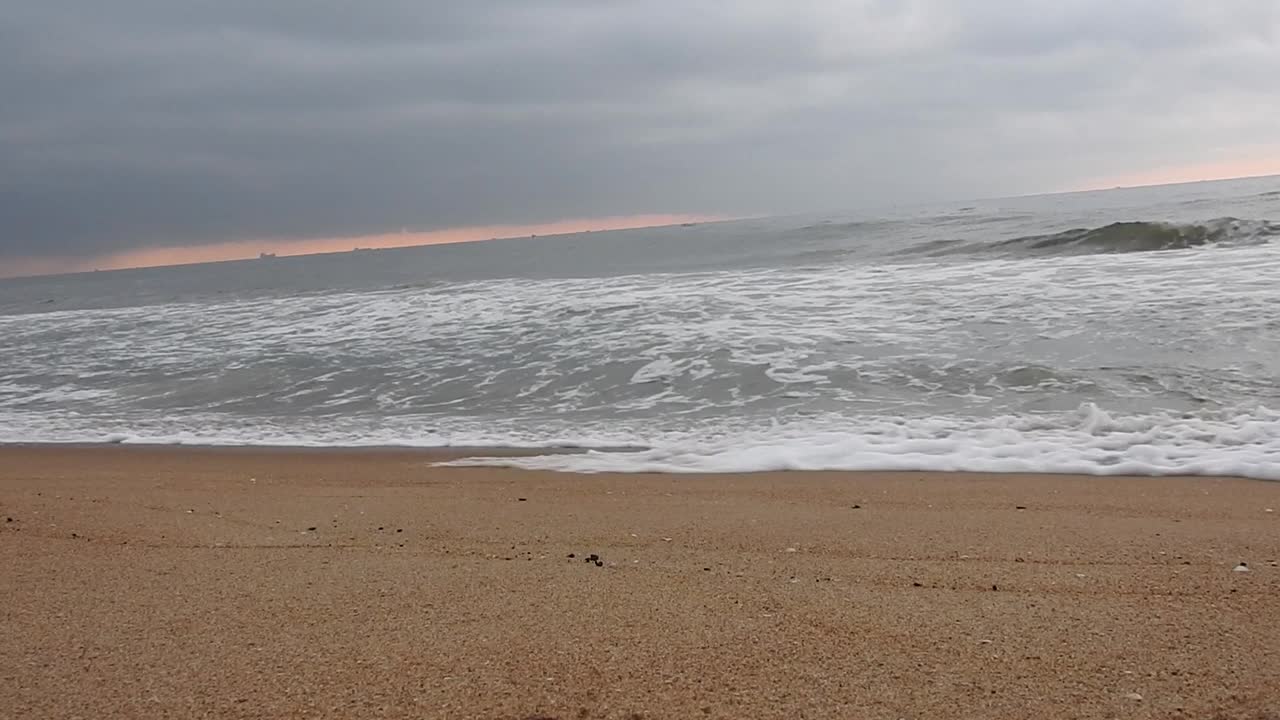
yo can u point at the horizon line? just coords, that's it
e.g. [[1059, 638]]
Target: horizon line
[[246, 250], [243, 250]]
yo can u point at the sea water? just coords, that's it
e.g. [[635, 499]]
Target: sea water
[[1130, 331]]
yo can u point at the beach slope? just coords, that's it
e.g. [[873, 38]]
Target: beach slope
[[253, 583]]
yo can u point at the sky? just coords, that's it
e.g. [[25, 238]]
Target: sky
[[146, 131]]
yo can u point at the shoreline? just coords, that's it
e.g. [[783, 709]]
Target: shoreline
[[445, 454], [163, 581], [451, 451]]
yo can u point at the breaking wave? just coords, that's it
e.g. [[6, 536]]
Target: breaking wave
[[1119, 237]]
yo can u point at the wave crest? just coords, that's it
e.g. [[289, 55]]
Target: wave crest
[[1118, 237], [1123, 237]]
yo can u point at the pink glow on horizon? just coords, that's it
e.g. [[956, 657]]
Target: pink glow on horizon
[[246, 249]]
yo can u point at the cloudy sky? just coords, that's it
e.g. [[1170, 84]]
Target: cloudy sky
[[137, 124]]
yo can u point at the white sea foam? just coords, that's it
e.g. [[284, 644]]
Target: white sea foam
[[1089, 441], [661, 368], [1140, 332]]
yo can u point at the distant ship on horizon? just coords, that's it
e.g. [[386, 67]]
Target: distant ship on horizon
[[266, 256]]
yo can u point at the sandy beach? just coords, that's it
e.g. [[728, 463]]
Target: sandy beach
[[181, 583]]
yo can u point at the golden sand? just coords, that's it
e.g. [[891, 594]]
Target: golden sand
[[178, 583]]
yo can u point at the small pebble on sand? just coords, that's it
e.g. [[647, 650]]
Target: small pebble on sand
[[1242, 567], [1133, 696]]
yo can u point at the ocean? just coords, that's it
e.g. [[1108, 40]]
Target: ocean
[[1127, 331]]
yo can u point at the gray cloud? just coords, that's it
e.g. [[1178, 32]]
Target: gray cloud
[[144, 122]]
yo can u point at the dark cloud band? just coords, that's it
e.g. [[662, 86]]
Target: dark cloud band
[[144, 122]]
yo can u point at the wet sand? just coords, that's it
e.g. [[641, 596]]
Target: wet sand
[[236, 583]]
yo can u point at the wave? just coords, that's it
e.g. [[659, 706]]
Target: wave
[[1088, 441], [1123, 237], [1117, 237]]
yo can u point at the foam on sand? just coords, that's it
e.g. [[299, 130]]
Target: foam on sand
[[1089, 441]]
